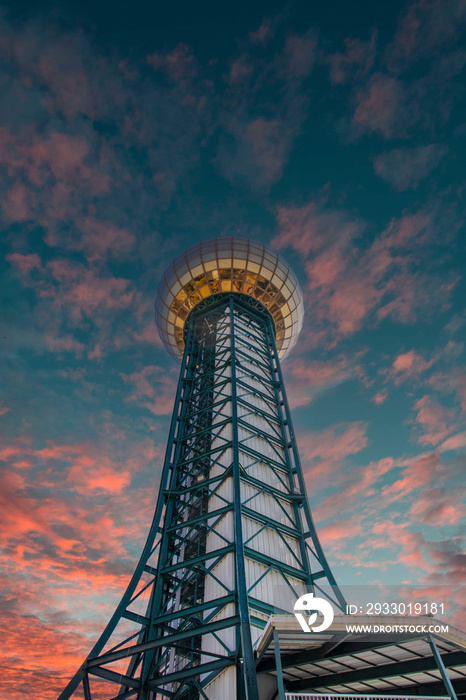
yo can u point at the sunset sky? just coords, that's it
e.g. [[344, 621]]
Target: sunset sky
[[333, 132]]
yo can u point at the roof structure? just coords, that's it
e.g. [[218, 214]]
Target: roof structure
[[222, 265], [337, 662]]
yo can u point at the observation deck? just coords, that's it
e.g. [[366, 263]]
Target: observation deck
[[235, 265]]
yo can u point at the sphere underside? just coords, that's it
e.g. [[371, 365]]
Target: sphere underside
[[229, 265]]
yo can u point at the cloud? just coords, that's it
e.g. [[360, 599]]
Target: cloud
[[335, 536], [407, 365], [453, 381], [99, 240], [180, 64], [360, 487], [425, 27], [153, 389], [455, 442], [436, 420], [402, 107], [417, 473], [257, 135], [404, 168], [380, 398], [308, 379], [350, 283], [69, 533], [381, 106], [82, 143], [324, 451], [356, 62], [439, 507], [311, 228]]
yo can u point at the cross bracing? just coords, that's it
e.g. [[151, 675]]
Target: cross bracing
[[232, 540]]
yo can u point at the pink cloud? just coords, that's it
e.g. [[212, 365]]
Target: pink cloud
[[452, 382], [149, 334], [455, 442], [84, 292], [344, 499], [310, 229], [404, 168], [73, 294], [380, 398], [64, 343], [407, 365], [408, 362], [416, 474], [357, 60], [323, 452], [412, 554], [300, 52], [15, 205], [436, 420], [378, 105], [25, 263], [99, 240], [309, 379], [180, 64], [424, 27], [263, 33], [153, 389], [350, 285], [258, 148], [335, 536], [439, 507], [268, 145], [88, 474]]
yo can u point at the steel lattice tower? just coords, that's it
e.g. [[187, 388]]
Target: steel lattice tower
[[232, 540]]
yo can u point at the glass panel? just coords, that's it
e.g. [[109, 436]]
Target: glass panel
[[195, 271], [223, 265], [269, 265], [181, 269], [254, 258], [261, 282], [185, 278]]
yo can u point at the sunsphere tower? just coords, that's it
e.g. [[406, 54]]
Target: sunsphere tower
[[232, 539]]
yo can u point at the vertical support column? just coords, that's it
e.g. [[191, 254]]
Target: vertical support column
[[249, 666], [278, 665], [441, 667]]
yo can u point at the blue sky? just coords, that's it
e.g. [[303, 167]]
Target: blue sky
[[333, 133]]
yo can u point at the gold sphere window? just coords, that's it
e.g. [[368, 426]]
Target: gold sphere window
[[235, 265]]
